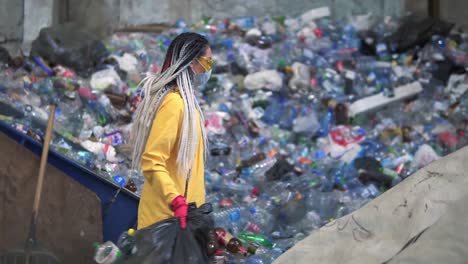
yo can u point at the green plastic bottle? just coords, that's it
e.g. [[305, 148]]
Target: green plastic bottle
[[255, 238]]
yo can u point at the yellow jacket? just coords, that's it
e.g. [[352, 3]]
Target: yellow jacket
[[159, 165]]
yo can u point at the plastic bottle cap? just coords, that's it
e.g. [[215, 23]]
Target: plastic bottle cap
[[319, 154], [131, 232], [272, 152]]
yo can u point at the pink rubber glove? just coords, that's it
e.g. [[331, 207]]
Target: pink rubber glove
[[180, 208]]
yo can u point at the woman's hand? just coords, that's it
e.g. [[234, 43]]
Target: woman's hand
[[180, 208]]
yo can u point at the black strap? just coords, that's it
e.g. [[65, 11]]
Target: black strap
[[187, 182]]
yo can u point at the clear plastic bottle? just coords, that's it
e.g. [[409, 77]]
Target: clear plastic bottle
[[273, 113], [292, 210], [260, 168], [287, 117], [307, 124], [326, 123], [126, 242], [265, 258], [233, 219], [239, 187], [260, 221], [107, 253], [311, 221], [326, 204]]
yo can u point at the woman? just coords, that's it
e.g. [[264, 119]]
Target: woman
[[169, 134]]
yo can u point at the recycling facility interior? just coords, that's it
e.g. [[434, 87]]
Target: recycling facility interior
[[21, 21]]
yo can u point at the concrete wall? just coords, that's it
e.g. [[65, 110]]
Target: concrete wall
[[11, 20], [419, 8], [37, 14], [22, 19], [144, 11], [104, 16], [455, 11], [100, 16]]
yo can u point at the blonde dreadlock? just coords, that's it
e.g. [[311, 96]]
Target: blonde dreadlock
[[175, 73]]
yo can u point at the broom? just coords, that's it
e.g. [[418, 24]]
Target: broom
[[31, 254]]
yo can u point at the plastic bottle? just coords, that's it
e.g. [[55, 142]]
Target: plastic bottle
[[259, 157], [28, 115], [260, 221], [260, 168], [107, 253], [367, 192], [114, 138], [326, 123], [292, 210], [120, 180], [218, 258], [311, 221], [255, 238], [382, 51], [127, 241], [273, 113], [220, 161], [287, 118], [232, 218], [341, 114], [254, 249], [326, 204], [131, 186], [244, 22], [231, 243], [212, 244], [84, 157], [265, 202], [243, 141], [307, 124], [265, 258], [238, 187]]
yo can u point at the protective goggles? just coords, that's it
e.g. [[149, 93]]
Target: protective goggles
[[206, 62]]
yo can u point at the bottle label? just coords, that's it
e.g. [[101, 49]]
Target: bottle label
[[350, 75], [115, 138], [107, 253], [223, 237], [252, 227]]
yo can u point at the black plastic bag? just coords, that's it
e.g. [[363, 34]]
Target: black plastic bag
[[281, 168], [4, 55], [166, 242], [68, 45], [417, 32]]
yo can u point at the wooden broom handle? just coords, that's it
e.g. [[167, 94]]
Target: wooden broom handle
[[45, 154]]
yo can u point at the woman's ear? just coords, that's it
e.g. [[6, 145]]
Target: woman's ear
[[194, 67]]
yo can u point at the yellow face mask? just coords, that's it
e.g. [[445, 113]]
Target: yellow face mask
[[206, 63]]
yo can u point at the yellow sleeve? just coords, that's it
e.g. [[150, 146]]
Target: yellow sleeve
[[160, 144]]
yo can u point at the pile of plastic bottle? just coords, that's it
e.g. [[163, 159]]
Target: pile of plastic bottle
[[288, 150]]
